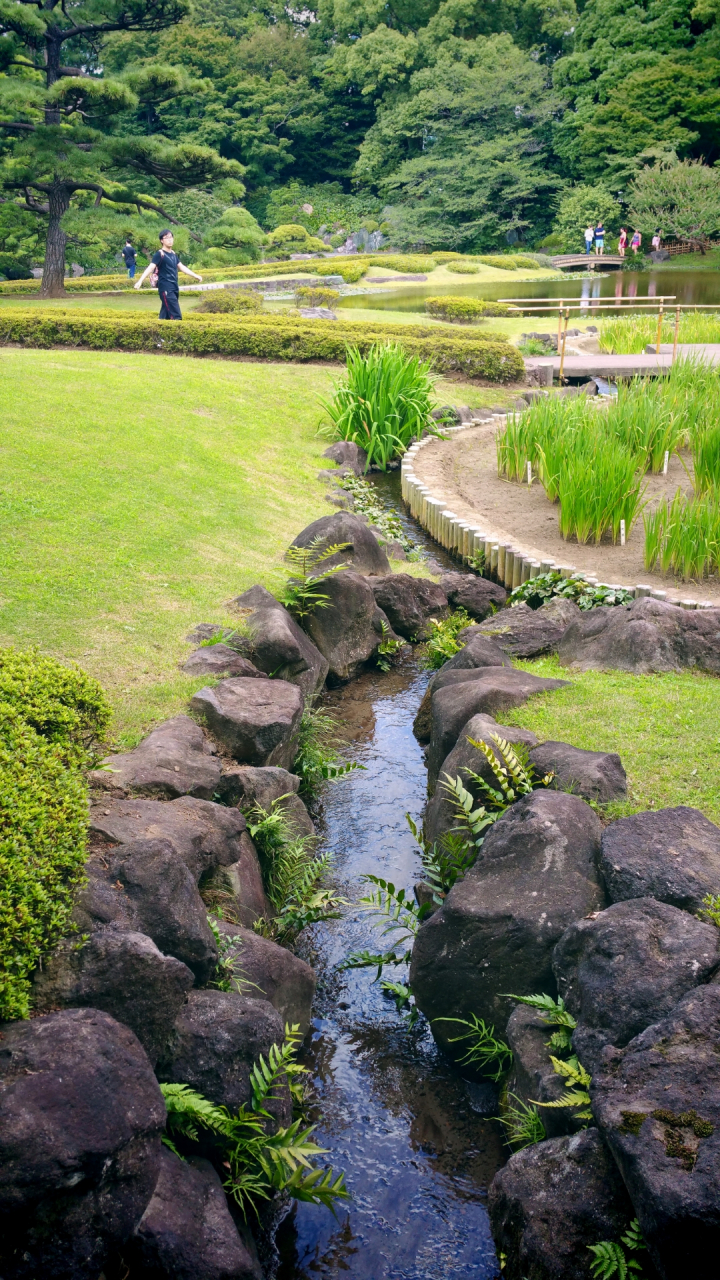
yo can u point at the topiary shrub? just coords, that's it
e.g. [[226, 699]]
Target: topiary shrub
[[49, 715], [226, 301], [306, 296], [463, 268], [464, 310], [292, 238], [501, 261], [442, 258]]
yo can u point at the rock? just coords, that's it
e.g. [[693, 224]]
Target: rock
[[647, 635], [279, 647], [205, 835], [247, 787], [348, 631], [409, 602], [657, 1103], [186, 1232], [238, 890], [594, 775], [234, 640], [551, 1201], [497, 928], [145, 887], [279, 976], [219, 660], [478, 596], [441, 815], [176, 759], [256, 721], [628, 968], [216, 1039], [532, 1077], [347, 454], [395, 550], [495, 690], [123, 974], [478, 652], [523, 632], [362, 552], [672, 855], [81, 1116]]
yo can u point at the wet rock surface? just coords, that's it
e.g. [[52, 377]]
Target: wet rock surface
[[628, 968], [670, 854], [363, 551], [522, 632], [594, 775], [441, 815], [176, 759], [647, 635], [256, 721], [81, 1115], [497, 928], [409, 603], [657, 1103], [477, 596], [551, 1201], [348, 631], [278, 975]]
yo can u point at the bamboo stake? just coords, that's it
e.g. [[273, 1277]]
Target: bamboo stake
[[564, 340], [559, 321], [677, 330], [659, 330]]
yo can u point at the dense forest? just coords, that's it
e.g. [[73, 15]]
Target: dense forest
[[465, 125]]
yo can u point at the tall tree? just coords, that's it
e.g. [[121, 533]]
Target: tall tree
[[58, 117]]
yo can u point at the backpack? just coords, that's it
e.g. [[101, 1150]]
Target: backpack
[[154, 276]]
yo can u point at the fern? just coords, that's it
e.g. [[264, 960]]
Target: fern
[[445, 862], [401, 993], [484, 1048], [317, 760], [514, 776], [375, 960], [577, 1097], [188, 1112], [610, 1259], [388, 648], [556, 1016], [710, 910], [470, 820], [302, 594], [395, 906]]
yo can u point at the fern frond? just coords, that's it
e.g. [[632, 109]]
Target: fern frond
[[608, 1261], [188, 1111], [633, 1237]]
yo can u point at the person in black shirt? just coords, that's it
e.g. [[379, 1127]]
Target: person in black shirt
[[165, 265], [128, 254]]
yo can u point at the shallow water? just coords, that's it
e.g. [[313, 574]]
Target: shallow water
[[408, 1131]]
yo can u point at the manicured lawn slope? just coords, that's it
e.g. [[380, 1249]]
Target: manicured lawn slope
[[666, 729]]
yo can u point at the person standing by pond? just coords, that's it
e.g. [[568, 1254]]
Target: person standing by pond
[[589, 237], [656, 240], [129, 256], [599, 239], [622, 242], [636, 242], [165, 265]]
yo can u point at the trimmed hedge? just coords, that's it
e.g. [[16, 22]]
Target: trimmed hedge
[[464, 310], [261, 338], [48, 716]]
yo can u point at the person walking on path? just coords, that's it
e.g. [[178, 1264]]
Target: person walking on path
[[636, 242], [589, 237], [656, 240], [599, 239], [622, 242], [165, 265], [129, 255]]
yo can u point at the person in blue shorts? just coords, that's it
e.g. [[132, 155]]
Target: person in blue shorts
[[600, 239], [165, 265]]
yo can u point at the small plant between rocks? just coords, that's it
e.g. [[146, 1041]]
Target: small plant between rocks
[[303, 592], [548, 586]]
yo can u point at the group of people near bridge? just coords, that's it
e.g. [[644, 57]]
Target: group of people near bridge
[[596, 235]]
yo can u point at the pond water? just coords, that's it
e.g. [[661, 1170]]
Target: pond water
[[414, 1138], [699, 287]]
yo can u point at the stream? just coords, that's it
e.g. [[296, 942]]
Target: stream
[[414, 1139]]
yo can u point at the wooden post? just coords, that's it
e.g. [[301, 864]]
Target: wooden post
[[564, 340], [559, 323], [677, 330], [659, 330]]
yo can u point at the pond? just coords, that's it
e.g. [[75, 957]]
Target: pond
[[699, 287]]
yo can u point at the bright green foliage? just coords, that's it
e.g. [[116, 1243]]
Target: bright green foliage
[[681, 197], [260, 1158], [548, 586], [583, 206], [629, 335], [384, 403], [400, 916], [513, 778], [367, 503], [389, 647], [706, 458], [235, 238], [576, 1096], [331, 207], [611, 1260], [683, 535], [444, 862], [402, 995], [463, 268], [554, 1013], [521, 1122], [306, 296], [443, 637], [317, 760], [230, 301], [292, 238], [463, 310], [645, 421], [710, 909], [303, 593], [291, 873], [485, 1052], [49, 717]]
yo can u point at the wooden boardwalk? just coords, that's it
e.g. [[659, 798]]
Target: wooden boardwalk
[[588, 262]]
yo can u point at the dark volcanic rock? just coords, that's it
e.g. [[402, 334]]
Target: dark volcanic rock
[[219, 660], [657, 1103], [281, 977], [176, 759], [255, 720], [166, 902], [409, 602], [186, 1232], [523, 632], [349, 455], [672, 855], [495, 690], [497, 928], [594, 775], [81, 1116], [205, 835], [533, 1077], [477, 653], [123, 974], [628, 968], [648, 635], [441, 815], [477, 596], [216, 1039], [362, 552], [279, 647], [348, 631], [551, 1202], [248, 787]]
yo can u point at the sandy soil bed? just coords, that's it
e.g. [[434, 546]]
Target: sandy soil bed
[[464, 473]]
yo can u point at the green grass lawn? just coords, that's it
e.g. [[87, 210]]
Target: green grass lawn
[[666, 729]]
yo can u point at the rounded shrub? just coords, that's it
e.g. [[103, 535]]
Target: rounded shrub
[[463, 310], [307, 296], [234, 301], [463, 268]]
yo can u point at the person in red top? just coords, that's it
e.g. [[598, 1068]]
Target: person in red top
[[622, 242], [166, 264]]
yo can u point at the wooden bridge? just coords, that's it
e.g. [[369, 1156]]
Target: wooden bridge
[[589, 262]]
